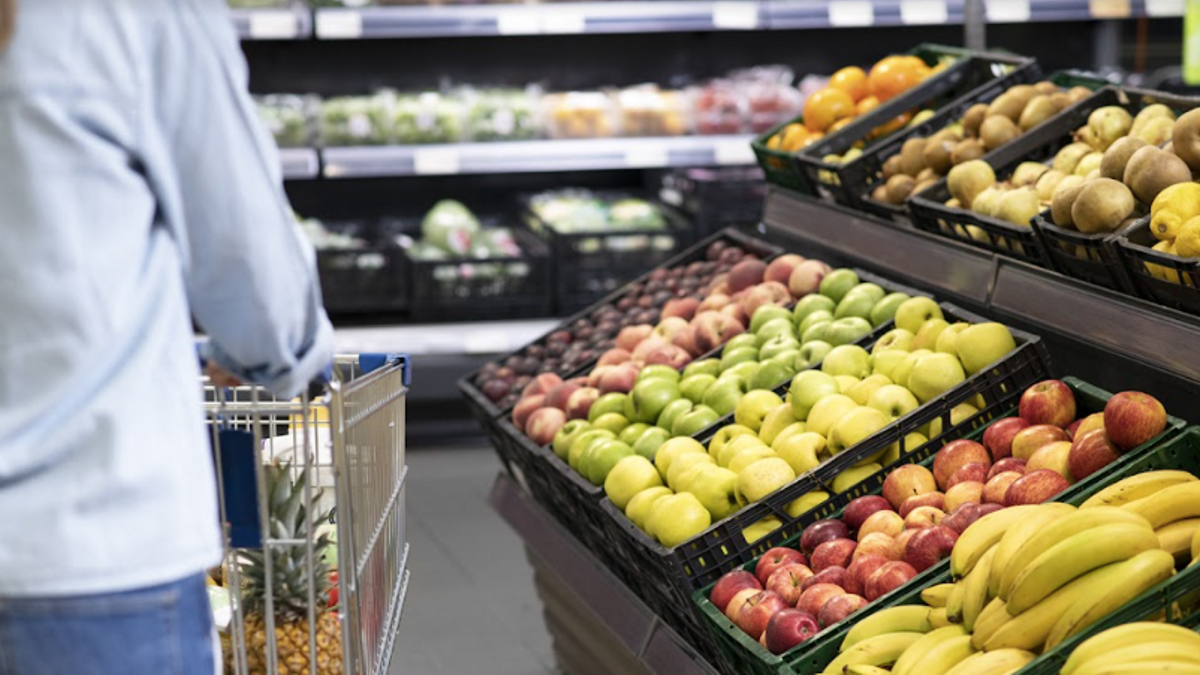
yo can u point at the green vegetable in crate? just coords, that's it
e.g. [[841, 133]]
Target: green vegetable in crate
[[451, 226], [356, 120], [635, 214], [427, 118]]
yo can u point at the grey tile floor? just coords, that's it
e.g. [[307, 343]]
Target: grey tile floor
[[471, 607]]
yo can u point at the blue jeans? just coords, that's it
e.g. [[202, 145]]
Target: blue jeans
[[161, 630]]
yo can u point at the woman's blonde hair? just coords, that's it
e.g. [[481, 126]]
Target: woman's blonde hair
[[8, 21]]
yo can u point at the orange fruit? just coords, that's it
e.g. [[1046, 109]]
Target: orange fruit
[[852, 80], [840, 124], [866, 105], [827, 106], [793, 136], [896, 124], [895, 75], [774, 142], [812, 138]]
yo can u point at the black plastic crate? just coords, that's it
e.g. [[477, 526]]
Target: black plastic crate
[[666, 578], [716, 198], [372, 279], [1170, 280], [980, 77], [1091, 257], [930, 213]]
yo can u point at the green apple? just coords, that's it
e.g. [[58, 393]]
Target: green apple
[[602, 457], [927, 335], [693, 386], [819, 316], [614, 422], [638, 507], [629, 477], [826, 413], [856, 426], [608, 403], [739, 341], [816, 331], [771, 374], [781, 326], [885, 310], [777, 345], [811, 354], [849, 360], [790, 430], [983, 344], [672, 449], [813, 302], [631, 433], [716, 489], [676, 519], [846, 381], [766, 313], [763, 478], [776, 420], [682, 463], [703, 367], [915, 311], [744, 372], [658, 370], [903, 369], [802, 451], [749, 456], [885, 362], [687, 477], [650, 441], [847, 330], [740, 355], [854, 305], [807, 388], [648, 398], [724, 435], [947, 342], [737, 445], [869, 289], [694, 421], [674, 410], [724, 395], [754, 406], [893, 400], [583, 442], [896, 338], [838, 283], [787, 357], [861, 392], [567, 435], [935, 374]]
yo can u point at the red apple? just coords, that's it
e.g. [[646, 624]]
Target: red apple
[[1053, 456], [934, 499], [544, 423], [524, 408], [881, 522], [999, 436], [880, 544], [713, 302], [985, 509], [1048, 402], [833, 553], [1090, 423], [1035, 487], [976, 472], [598, 373], [1029, 439], [668, 326], [684, 308], [645, 348], [1132, 418], [739, 600], [668, 355], [816, 596], [788, 581], [955, 455], [581, 402], [735, 311], [746, 274], [775, 558], [541, 384], [619, 378], [788, 628], [780, 269], [612, 357], [963, 516], [768, 293], [758, 610], [730, 584], [631, 336], [923, 517], [907, 481], [686, 340], [995, 490], [822, 531], [889, 577], [1073, 428], [859, 509], [1006, 464], [839, 607], [860, 570], [969, 492], [929, 546], [559, 395], [829, 575], [714, 329], [806, 277], [902, 541], [1090, 453]]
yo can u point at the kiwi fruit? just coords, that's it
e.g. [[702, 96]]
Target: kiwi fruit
[[1117, 156], [1028, 173], [1185, 139], [911, 161], [970, 149], [1151, 170], [1101, 206], [968, 179], [1039, 109], [998, 130], [1009, 104], [891, 166], [899, 187], [1047, 182], [936, 154], [1064, 198], [1018, 206], [973, 118]]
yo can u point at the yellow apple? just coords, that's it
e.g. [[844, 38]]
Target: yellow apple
[[672, 449], [916, 311], [853, 476], [761, 478], [861, 392], [761, 528], [681, 464], [790, 430], [779, 418], [716, 488], [723, 437], [845, 382], [885, 362], [983, 344], [828, 411], [801, 451], [947, 341], [749, 456], [894, 401], [903, 370], [934, 375], [675, 519], [733, 447], [806, 503], [928, 334], [629, 476], [639, 507], [754, 406], [854, 427]]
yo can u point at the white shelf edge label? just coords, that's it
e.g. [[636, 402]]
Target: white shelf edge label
[[735, 15], [345, 24], [646, 156], [488, 342], [1164, 8], [1110, 9], [518, 22], [435, 161], [563, 23], [923, 12], [844, 13], [268, 25], [1008, 11], [733, 152]]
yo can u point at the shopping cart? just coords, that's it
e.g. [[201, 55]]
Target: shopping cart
[[308, 487]]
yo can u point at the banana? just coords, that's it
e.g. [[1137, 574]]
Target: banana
[[935, 596], [1057, 530], [1174, 652], [1029, 629], [943, 657], [975, 592], [914, 660], [1127, 635], [1074, 556], [982, 535], [1137, 487], [860, 669], [938, 618], [881, 650], [1019, 533], [1138, 574], [990, 620], [902, 619], [1196, 546], [1177, 502], [954, 602], [999, 662], [1143, 668], [1177, 538]]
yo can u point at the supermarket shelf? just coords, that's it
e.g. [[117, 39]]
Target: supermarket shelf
[[299, 162], [610, 602], [794, 15], [537, 156], [273, 24]]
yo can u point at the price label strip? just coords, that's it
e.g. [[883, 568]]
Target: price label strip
[[1008, 11], [647, 156], [518, 22], [1164, 8], [1110, 9], [280, 25], [735, 16], [435, 162], [923, 12], [733, 153], [344, 24], [851, 13]]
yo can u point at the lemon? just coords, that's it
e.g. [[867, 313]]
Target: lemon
[[1172, 208], [1187, 244], [1160, 272]]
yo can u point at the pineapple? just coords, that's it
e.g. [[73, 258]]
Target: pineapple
[[289, 519]]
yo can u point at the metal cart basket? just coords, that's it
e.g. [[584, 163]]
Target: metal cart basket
[[300, 481]]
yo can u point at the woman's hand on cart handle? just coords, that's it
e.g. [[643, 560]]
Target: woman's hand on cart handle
[[220, 377]]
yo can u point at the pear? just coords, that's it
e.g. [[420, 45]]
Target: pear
[[997, 130], [968, 179], [927, 173], [1046, 87], [1089, 163], [1155, 132], [1101, 206], [973, 118], [923, 185], [1028, 173], [891, 166], [1064, 198], [1069, 156], [899, 187], [1117, 156], [911, 162], [1061, 100], [1047, 182], [1109, 123], [1039, 109], [880, 193], [1149, 113], [970, 149], [1018, 206], [1078, 94], [986, 202], [1185, 139], [1151, 170]]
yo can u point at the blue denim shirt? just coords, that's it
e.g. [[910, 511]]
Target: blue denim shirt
[[136, 185]]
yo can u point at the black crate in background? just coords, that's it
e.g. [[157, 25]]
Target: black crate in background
[[1164, 278], [1091, 257], [372, 279], [715, 198]]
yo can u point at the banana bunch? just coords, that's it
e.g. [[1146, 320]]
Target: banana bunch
[[1170, 502], [1136, 648]]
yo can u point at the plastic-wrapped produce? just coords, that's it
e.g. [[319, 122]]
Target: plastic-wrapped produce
[[580, 114], [646, 110], [356, 120], [427, 118], [289, 118], [770, 97], [451, 227], [502, 115], [718, 108]]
